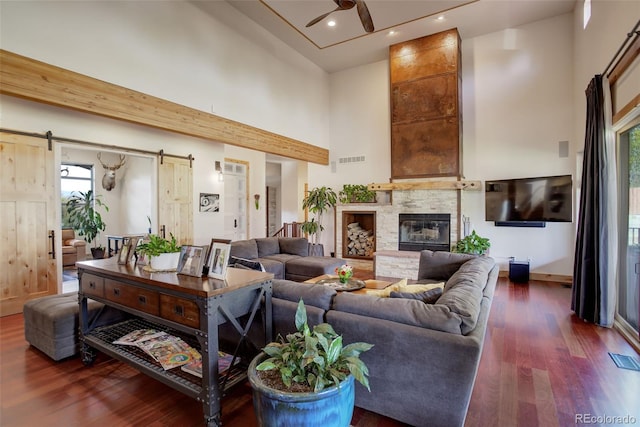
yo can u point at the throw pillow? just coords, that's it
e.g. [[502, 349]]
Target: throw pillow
[[427, 297], [384, 293], [245, 263], [419, 287]]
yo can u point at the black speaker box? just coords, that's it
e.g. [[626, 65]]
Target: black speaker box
[[519, 271]]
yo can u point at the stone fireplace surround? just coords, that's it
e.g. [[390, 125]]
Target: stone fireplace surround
[[388, 260]]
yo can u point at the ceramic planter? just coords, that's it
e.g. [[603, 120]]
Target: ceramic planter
[[165, 262], [332, 407]]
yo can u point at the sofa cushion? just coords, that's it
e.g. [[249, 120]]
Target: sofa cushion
[[440, 265], [244, 249], [463, 291], [427, 297], [294, 246], [409, 312], [267, 246], [317, 295]]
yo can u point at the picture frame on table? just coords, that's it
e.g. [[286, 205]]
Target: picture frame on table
[[129, 245], [219, 260], [123, 253], [207, 264], [192, 259]]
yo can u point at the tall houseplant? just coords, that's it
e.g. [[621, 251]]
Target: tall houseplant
[[307, 379], [85, 218], [318, 201]]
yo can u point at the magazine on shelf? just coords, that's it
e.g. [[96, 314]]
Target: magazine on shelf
[[168, 350], [138, 335], [195, 366]]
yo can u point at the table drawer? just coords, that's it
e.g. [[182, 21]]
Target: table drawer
[[92, 284], [130, 296], [179, 310]]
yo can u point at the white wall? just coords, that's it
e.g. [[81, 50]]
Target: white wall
[[518, 103], [517, 106], [175, 51]]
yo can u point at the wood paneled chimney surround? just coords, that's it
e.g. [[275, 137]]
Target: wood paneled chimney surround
[[426, 113]]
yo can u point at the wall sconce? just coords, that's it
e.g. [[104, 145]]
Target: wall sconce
[[256, 198], [218, 168]]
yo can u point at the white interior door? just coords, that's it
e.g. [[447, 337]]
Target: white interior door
[[236, 221]]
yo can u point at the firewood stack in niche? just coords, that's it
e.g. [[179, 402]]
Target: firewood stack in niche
[[361, 241]]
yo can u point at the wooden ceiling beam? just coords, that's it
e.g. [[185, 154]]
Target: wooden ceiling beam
[[27, 78]]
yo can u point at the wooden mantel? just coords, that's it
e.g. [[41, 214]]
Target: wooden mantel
[[27, 78], [427, 185]]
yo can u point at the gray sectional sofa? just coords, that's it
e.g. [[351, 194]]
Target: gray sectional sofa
[[425, 356], [285, 257]]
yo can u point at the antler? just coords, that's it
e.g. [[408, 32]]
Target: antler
[[114, 167], [122, 162], [103, 164]]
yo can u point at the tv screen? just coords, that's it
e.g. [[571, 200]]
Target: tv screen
[[546, 199]]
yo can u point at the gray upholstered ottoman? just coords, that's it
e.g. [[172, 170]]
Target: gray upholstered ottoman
[[308, 267], [51, 323]]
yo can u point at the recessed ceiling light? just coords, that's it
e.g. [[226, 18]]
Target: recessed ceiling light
[[331, 23], [392, 32], [440, 18]]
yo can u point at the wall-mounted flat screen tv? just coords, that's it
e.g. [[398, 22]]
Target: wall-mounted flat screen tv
[[545, 199]]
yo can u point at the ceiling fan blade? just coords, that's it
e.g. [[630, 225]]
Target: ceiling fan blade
[[321, 17], [365, 16]]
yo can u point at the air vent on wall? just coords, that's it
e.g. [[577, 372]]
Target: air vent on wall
[[354, 159]]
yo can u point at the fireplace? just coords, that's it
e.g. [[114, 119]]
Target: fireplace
[[417, 232]]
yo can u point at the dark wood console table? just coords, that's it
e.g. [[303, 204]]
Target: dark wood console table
[[190, 307]]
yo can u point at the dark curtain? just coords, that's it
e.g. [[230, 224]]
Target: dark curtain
[[588, 279]]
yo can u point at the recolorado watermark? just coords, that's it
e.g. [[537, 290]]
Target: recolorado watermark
[[605, 419]]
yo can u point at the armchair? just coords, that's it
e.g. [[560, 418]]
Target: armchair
[[73, 249]]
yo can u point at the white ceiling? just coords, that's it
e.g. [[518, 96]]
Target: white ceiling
[[347, 44]]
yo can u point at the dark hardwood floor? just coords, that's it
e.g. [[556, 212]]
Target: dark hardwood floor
[[540, 367]]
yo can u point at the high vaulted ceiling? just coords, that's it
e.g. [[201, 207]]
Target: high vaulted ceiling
[[346, 44]]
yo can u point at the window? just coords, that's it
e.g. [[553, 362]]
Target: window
[[73, 178]]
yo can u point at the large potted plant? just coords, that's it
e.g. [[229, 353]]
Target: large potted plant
[[317, 201], [162, 254], [85, 218], [472, 244], [307, 379]]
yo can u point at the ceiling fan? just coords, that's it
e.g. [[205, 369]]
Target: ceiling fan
[[363, 12]]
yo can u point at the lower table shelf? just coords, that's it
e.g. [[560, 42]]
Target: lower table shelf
[[102, 339]]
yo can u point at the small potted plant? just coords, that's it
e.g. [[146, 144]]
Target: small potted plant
[[344, 272], [163, 254], [472, 244], [307, 378], [85, 218]]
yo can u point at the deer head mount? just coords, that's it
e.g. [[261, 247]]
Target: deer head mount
[[109, 178]]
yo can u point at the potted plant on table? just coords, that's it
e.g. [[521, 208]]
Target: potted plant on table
[[85, 218], [317, 201], [163, 254], [472, 244], [307, 379]]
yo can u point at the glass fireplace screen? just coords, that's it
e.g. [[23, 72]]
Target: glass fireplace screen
[[424, 231]]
